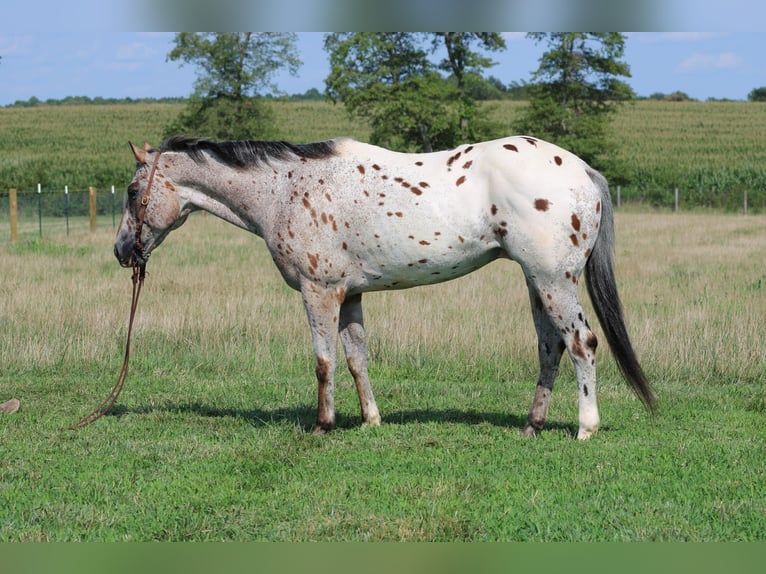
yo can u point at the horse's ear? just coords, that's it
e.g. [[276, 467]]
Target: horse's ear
[[147, 147], [138, 153]]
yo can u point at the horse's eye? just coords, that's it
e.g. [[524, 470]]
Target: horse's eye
[[132, 191]]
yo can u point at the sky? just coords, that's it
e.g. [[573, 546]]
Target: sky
[[119, 49]]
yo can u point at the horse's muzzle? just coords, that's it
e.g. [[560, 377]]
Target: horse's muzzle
[[131, 258]]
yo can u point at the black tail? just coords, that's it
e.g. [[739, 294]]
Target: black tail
[[602, 288]]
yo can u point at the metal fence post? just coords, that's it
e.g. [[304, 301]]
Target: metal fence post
[[66, 208], [40, 208]]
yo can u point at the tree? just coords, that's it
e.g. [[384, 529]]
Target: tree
[[235, 68], [386, 78], [757, 95], [464, 62], [575, 89]]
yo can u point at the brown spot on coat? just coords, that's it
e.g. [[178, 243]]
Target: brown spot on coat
[[558, 160], [376, 167], [424, 242], [542, 204], [460, 180], [416, 190], [511, 147], [360, 167], [531, 141], [423, 184], [468, 164], [573, 237], [591, 341], [494, 209], [453, 159], [577, 347], [575, 222], [418, 163]]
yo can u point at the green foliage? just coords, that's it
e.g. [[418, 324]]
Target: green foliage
[[676, 96], [464, 62], [577, 86], [381, 78], [757, 95], [224, 118], [387, 80], [234, 68]]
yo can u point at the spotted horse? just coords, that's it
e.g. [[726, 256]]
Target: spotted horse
[[342, 218]]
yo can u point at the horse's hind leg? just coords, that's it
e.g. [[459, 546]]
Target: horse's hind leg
[[560, 302], [354, 344], [550, 347]]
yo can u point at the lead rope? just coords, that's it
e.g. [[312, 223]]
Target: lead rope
[[139, 272]]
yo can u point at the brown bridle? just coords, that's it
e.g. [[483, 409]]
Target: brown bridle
[[141, 208], [139, 273]]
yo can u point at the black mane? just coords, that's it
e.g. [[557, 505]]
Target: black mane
[[246, 153]]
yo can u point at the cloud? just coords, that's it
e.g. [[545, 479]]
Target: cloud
[[698, 62]]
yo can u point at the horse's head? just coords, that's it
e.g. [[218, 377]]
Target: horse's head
[[152, 209]]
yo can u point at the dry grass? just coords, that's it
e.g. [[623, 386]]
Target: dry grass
[[693, 286]]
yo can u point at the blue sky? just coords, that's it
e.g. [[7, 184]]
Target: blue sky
[[55, 64]]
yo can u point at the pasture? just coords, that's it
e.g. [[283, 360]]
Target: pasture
[[211, 438]]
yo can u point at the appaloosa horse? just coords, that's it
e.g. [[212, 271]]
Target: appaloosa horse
[[341, 218]]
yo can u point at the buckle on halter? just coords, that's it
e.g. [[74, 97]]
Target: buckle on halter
[[145, 200]]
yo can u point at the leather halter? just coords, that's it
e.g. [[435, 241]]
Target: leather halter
[[141, 209]]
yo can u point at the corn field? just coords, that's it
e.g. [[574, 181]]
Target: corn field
[[710, 151]]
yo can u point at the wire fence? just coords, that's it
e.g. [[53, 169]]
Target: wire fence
[[56, 213], [63, 212]]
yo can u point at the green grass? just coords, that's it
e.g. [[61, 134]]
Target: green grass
[[211, 438]]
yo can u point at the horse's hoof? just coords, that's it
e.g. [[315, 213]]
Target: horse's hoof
[[322, 428], [529, 431]]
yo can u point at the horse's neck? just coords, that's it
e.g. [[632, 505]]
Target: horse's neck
[[237, 196]]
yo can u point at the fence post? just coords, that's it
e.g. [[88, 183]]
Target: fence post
[[40, 208], [92, 202], [113, 224], [675, 201], [13, 207], [619, 190], [66, 208]]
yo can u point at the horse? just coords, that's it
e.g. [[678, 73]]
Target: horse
[[342, 218]]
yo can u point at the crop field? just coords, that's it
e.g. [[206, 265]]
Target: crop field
[[211, 439], [711, 151]]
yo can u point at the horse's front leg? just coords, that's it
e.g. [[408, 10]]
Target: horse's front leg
[[323, 308]]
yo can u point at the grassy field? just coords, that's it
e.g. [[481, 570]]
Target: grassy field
[[211, 438], [711, 151]]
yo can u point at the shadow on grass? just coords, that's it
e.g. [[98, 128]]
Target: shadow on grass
[[305, 416]]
